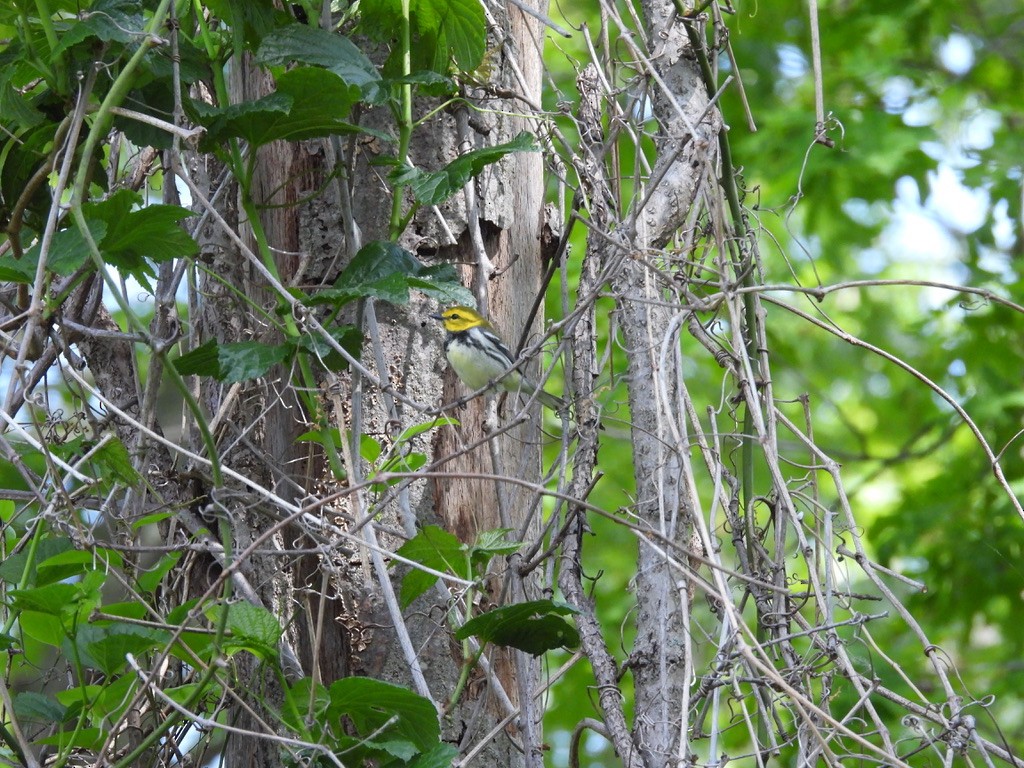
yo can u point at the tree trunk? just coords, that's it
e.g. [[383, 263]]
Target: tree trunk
[[339, 607]]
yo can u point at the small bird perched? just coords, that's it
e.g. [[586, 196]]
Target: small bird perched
[[480, 357]]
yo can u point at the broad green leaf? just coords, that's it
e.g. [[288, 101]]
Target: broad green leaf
[[309, 102], [371, 705], [44, 627], [127, 609], [321, 437], [442, 755], [348, 337], [441, 283], [16, 270], [54, 599], [434, 187], [245, 120], [253, 628], [110, 461], [253, 19], [386, 271], [30, 461], [437, 549], [404, 462], [380, 269], [75, 562], [198, 643], [149, 580], [309, 698], [442, 30], [84, 738], [234, 362], [112, 457], [105, 647], [30, 705], [461, 27], [16, 110], [13, 566], [20, 159], [106, 20], [316, 46], [249, 359], [535, 627], [68, 250], [369, 448], [133, 235], [490, 544]]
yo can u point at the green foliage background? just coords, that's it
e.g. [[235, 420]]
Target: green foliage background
[[920, 484]]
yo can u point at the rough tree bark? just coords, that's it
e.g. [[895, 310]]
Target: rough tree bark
[[495, 224]]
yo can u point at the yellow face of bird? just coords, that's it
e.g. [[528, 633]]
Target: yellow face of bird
[[458, 319]]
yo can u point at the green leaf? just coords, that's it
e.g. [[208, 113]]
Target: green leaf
[[43, 627], [488, 545], [105, 647], [29, 705], [371, 704], [441, 282], [348, 337], [309, 698], [418, 429], [244, 120], [110, 461], [369, 448], [254, 19], [440, 756], [428, 82], [434, 548], [321, 437], [126, 609], [20, 159], [442, 30], [52, 599], [76, 562], [68, 250], [434, 187], [309, 103], [232, 363], [113, 459], [14, 270], [461, 27], [29, 461], [106, 20], [380, 269], [253, 628], [83, 738], [149, 580], [16, 109], [133, 235], [12, 568], [535, 627], [386, 271], [316, 46]]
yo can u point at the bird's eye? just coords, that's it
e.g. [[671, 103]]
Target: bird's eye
[[455, 316]]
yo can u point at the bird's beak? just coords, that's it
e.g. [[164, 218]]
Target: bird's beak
[[435, 315]]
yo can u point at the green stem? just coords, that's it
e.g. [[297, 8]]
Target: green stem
[[405, 121], [58, 74]]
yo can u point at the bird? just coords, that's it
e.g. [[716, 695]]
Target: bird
[[480, 358]]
